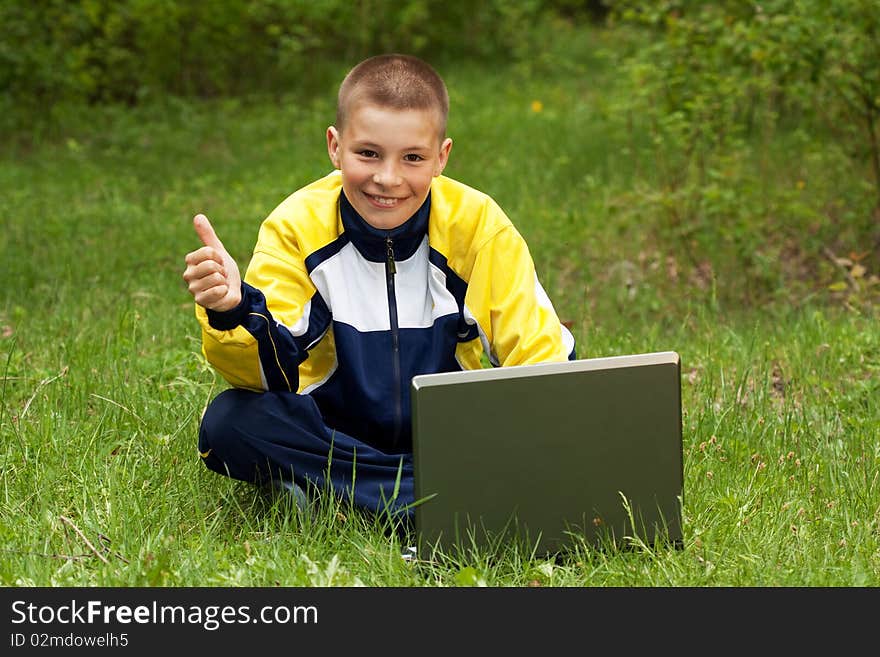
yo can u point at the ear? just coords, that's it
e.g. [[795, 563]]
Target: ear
[[443, 156], [333, 145]]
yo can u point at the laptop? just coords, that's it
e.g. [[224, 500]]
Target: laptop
[[552, 455]]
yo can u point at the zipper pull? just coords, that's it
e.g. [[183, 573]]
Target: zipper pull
[[392, 268]]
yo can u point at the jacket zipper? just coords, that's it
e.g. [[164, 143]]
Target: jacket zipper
[[390, 270]]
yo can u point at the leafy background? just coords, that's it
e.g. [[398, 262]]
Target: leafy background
[[692, 176]]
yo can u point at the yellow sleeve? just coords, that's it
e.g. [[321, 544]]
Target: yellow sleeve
[[264, 351], [281, 338], [233, 353], [515, 315]]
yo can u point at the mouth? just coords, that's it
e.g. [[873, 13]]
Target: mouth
[[383, 201]]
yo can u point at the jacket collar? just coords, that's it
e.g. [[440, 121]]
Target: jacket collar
[[371, 242]]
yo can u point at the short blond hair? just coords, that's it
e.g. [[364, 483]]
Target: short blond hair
[[394, 81]]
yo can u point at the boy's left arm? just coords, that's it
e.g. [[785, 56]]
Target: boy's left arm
[[514, 312]]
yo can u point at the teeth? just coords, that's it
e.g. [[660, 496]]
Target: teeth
[[381, 200]]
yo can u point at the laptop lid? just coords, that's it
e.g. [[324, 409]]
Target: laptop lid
[[550, 452]]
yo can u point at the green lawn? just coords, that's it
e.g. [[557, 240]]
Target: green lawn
[[103, 380]]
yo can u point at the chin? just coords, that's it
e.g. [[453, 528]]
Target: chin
[[384, 222], [385, 219]]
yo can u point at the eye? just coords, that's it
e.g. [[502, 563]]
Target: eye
[[413, 157], [368, 153]]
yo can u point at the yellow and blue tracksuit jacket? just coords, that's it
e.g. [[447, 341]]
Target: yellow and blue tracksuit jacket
[[337, 309]]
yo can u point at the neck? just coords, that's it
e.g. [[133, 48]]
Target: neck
[[372, 241]]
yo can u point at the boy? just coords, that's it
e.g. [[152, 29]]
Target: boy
[[379, 271]]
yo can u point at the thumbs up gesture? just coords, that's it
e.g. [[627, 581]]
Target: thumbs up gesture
[[211, 273]]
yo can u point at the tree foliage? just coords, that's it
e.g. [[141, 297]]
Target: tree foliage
[[725, 89], [125, 50], [723, 70]]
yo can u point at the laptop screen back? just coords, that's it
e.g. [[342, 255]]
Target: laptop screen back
[[588, 449]]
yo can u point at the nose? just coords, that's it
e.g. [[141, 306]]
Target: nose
[[387, 175]]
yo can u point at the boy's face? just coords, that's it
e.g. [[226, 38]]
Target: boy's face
[[388, 159]]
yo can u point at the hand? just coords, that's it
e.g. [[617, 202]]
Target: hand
[[211, 273]]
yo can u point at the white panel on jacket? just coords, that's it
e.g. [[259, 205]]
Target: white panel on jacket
[[356, 292]]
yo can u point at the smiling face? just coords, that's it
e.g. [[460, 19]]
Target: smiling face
[[388, 158]]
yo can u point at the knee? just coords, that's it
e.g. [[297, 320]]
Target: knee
[[218, 431]]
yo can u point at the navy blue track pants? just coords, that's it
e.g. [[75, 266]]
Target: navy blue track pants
[[258, 437]]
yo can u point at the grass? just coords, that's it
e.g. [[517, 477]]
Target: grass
[[103, 382]]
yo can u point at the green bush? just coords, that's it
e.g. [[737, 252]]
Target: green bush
[[726, 93], [57, 51], [721, 70]]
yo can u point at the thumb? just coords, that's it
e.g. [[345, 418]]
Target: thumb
[[206, 232]]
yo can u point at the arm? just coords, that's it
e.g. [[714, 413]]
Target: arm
[[516, 318], [259, 342]]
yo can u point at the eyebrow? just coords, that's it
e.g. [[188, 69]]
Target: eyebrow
[[377, 147]]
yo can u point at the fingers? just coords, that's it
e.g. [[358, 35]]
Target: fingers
[[212, 297], [203, 271], [203, 262], [211, 274], [206, 233], [197, 283], [208, 284]]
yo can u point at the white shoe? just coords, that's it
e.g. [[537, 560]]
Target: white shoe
[[299, 495]]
